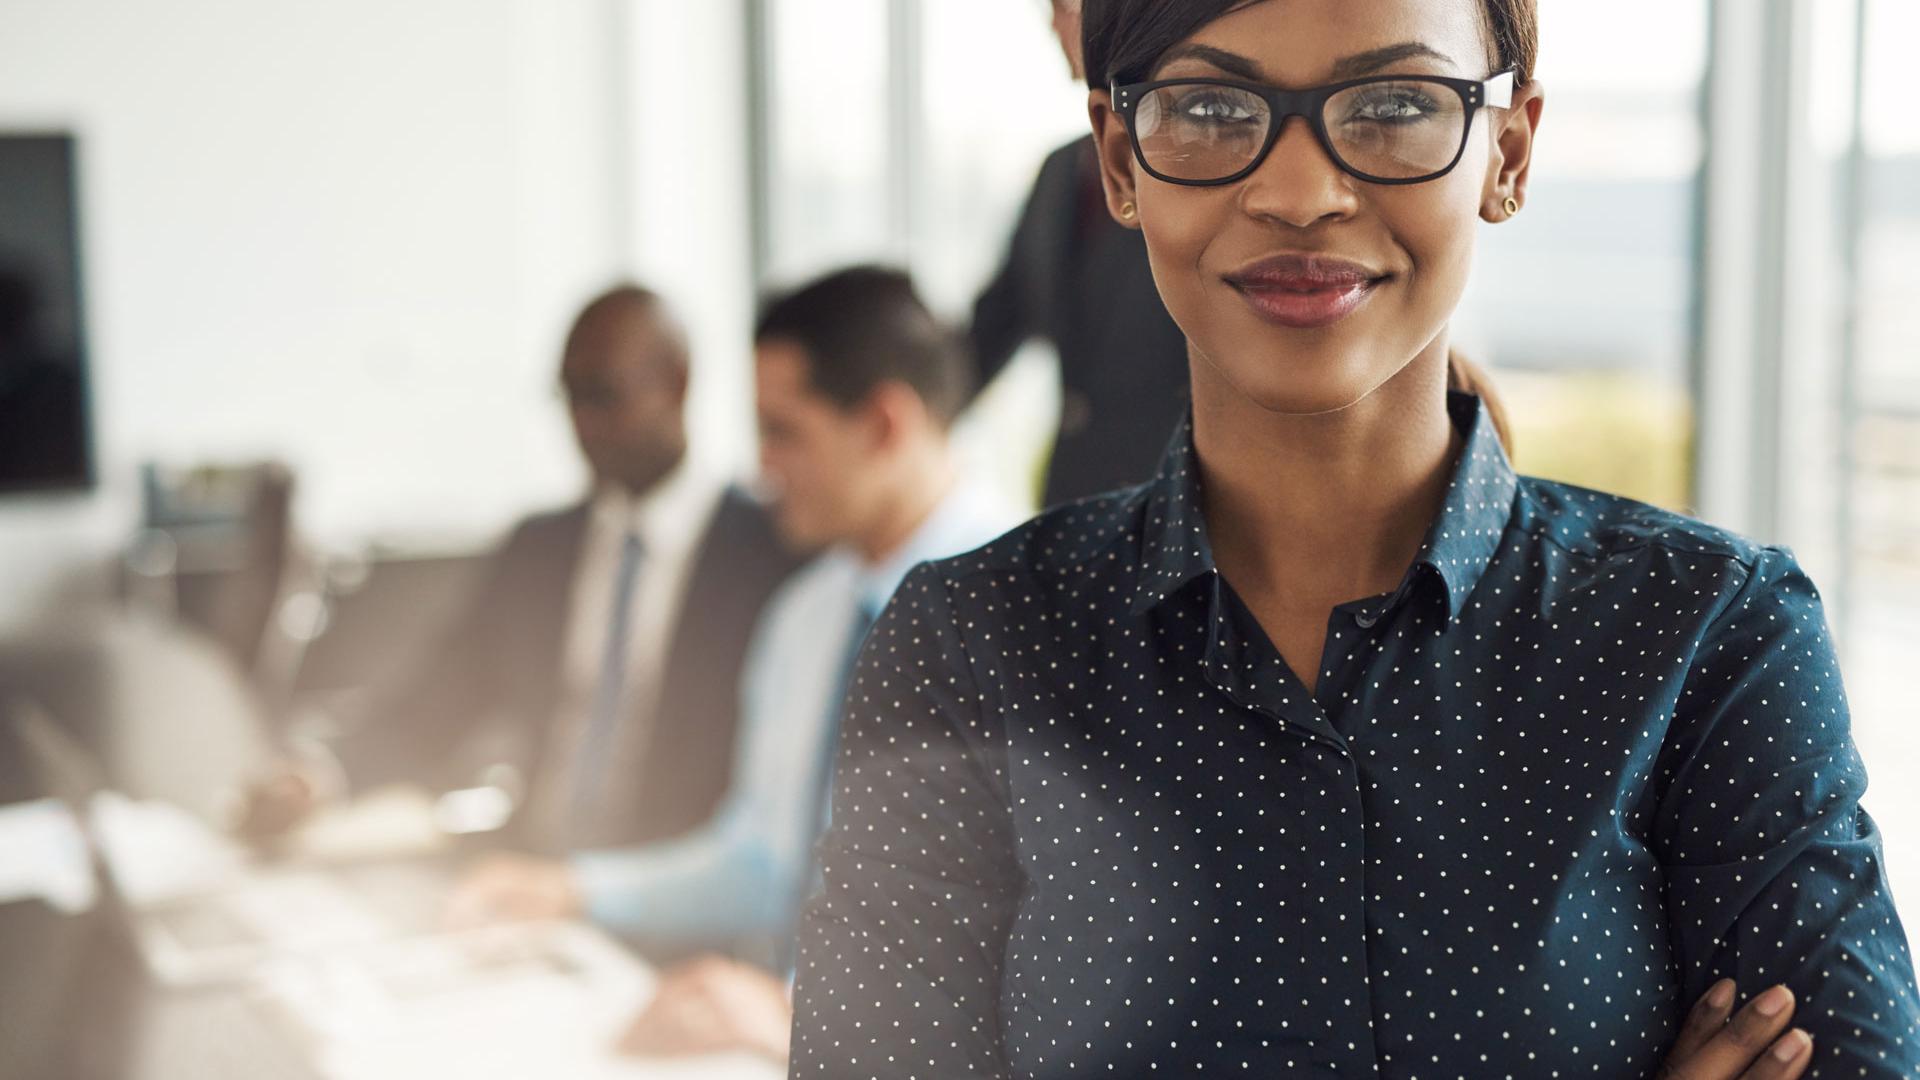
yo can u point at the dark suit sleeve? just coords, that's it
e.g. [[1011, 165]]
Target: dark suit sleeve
[[418, 719], [1007, 312]]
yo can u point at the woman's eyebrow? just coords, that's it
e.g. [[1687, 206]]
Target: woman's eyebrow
[[1374, 59], [1349, 67], [1231, 63]]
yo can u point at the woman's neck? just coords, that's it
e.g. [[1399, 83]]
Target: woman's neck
[[1316, 510]]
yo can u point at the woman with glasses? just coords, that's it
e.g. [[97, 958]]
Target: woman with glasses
[[1338, 748]]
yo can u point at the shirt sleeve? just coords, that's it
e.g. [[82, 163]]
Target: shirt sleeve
[[1774, 870], [704, 890], [901, 950], [1004, 314]]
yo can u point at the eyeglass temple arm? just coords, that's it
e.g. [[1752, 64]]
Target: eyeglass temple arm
[[1498, 90]]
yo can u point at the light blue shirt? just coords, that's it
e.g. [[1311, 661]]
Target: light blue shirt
[[739, 874]]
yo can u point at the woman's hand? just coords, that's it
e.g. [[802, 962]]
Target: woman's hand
[[1751, 1047]]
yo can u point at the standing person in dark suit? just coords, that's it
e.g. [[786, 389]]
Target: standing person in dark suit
[[1075, 277], [600, 654]]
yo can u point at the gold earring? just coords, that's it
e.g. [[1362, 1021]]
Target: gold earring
[[1512, 206], [1128, 211]]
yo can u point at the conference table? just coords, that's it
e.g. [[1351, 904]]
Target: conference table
[[76, 1003], [79, 995]]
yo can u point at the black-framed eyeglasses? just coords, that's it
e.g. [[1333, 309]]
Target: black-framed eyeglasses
[[1384, 129]]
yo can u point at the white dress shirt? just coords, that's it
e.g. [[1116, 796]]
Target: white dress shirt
[[740, 873], [670, 521]]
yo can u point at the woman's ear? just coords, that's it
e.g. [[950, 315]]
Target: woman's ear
[[1115, 148], [1510, 160]]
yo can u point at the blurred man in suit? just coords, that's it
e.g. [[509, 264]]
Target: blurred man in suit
[[601, 651], [1076, 278], [857, 385]]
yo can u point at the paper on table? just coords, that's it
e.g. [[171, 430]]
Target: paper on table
[[389, 822], [157, 851], [503, 1004], [43, 856]]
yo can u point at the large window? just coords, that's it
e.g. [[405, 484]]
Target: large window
[[985, 137], [831, 188], [1881, 631], [884, 141], [1584, 303]]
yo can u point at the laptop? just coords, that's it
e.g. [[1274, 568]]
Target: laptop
[[221, 920]]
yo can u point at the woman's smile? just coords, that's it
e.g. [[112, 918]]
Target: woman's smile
[[1305, 292]]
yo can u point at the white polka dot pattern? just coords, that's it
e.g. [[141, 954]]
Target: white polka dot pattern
[[1589, 757]]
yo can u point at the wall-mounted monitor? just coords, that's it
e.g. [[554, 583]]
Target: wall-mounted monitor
[[45, 431]]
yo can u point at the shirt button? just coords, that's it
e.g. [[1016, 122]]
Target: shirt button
[[1365, 620]]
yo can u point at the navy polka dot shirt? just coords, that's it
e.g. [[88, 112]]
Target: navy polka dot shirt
[[1589, 757]]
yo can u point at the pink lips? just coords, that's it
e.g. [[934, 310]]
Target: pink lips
[[1305, 292]]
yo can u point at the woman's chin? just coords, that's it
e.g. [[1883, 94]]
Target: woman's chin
[[1312, 385]]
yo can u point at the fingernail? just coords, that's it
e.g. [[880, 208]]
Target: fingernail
[[1791, 1045], [1721, 995], [1773, 1002]]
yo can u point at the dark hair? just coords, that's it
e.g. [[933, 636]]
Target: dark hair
[[866, 325], [1123, 39], [628, 298]]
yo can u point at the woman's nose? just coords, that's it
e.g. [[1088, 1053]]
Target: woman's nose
[[1298, 183]]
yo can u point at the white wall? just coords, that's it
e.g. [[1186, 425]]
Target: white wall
[[687, 101], [349, 235]]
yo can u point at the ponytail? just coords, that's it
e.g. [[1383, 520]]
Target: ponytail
[[1465, 375]]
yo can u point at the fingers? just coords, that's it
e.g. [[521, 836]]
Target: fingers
[[1786, 1059], [510, 888], [1708, 1017], [1757, 1025], [272, 806], [680, 1020], [485, 896], [713, 1005], [468, 908], [1742, 1043]]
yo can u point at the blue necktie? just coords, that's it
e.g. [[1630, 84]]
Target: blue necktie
[[821, 805], [590, 760], [863, 619]]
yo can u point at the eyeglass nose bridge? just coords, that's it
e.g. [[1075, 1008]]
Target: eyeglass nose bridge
[[1283, 105], [1310, 106], [1328, 167]]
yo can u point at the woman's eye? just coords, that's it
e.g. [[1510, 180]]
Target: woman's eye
[[1396, 106], [1213, 107]]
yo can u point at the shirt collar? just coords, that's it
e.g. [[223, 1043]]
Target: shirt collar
[[670, 513], [1458, 545], [967, 517]]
